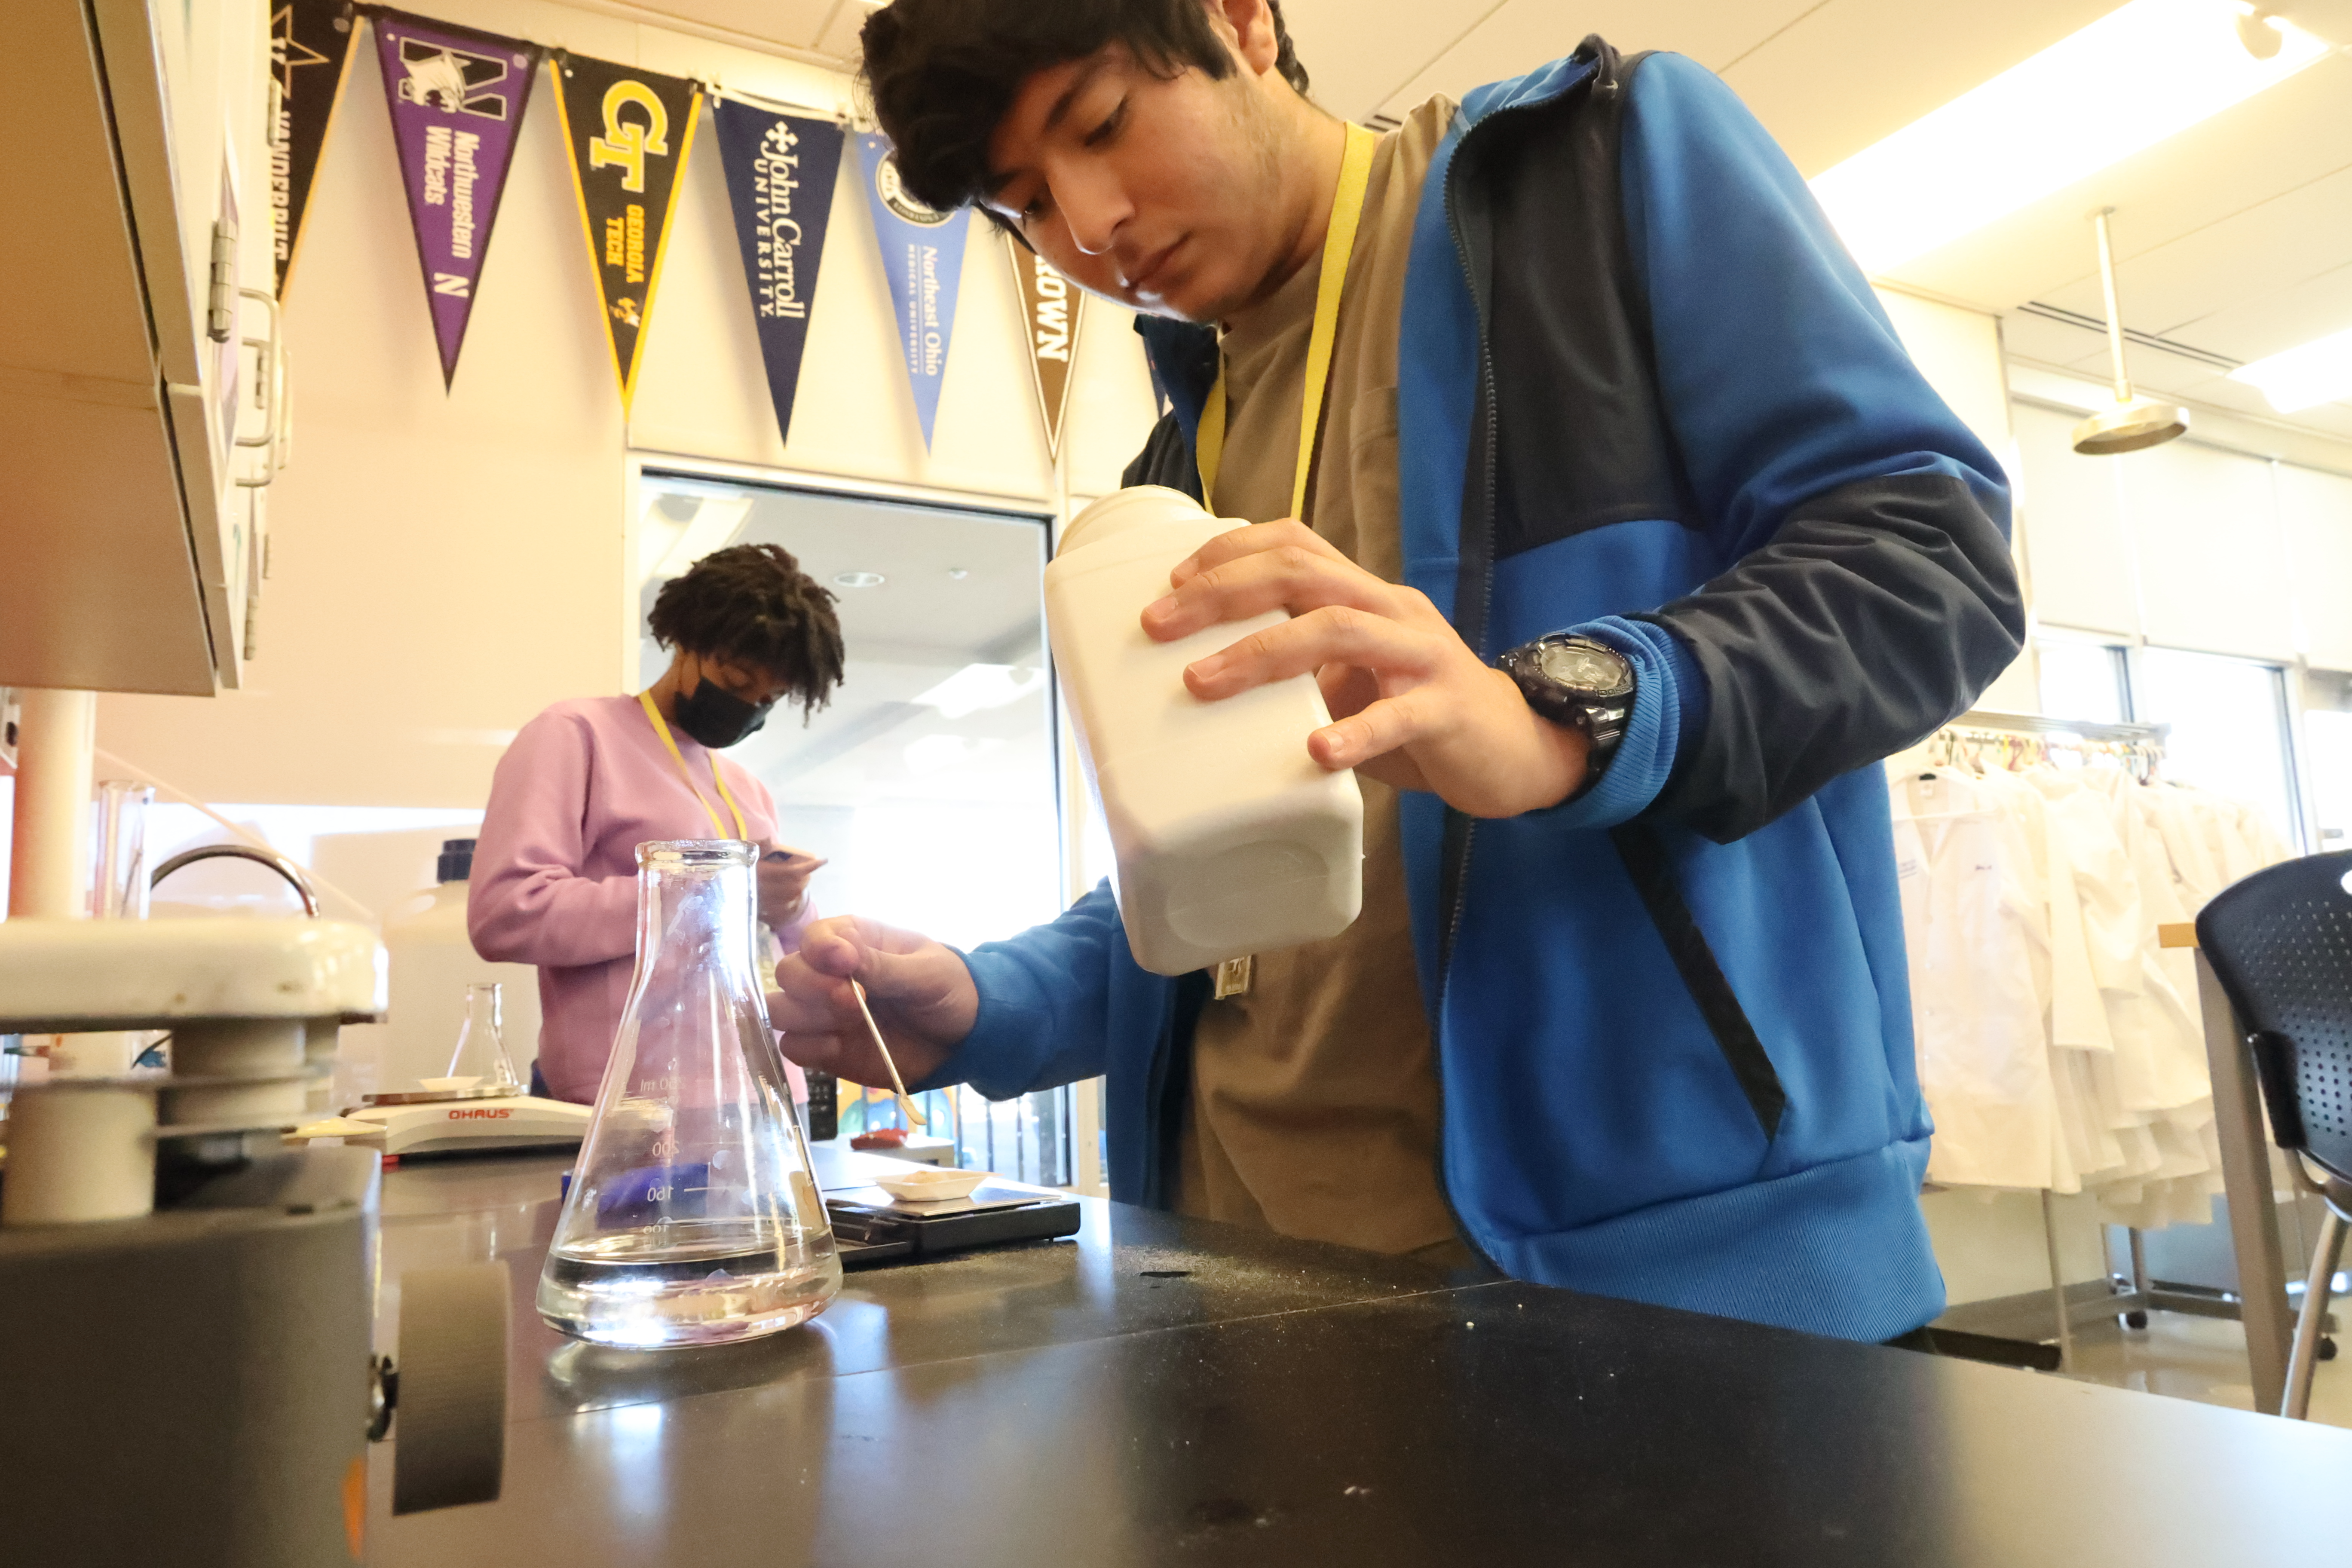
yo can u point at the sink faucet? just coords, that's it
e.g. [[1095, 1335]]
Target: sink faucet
[[279, 863]]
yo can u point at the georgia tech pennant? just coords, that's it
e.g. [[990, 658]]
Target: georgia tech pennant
[[629, 132], [456, 100], [309, 51], [1049, 313], [922, 253], [781, 170]]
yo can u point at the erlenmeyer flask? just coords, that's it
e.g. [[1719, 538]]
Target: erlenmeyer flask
[[692, 1217], [481, 1053]]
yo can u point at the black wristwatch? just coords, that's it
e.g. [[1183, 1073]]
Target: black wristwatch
[[1576, 681]]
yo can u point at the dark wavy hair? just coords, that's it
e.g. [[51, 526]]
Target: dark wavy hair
[[940, 73], [752, 604]]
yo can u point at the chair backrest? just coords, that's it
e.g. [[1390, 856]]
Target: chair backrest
[[2281, 943]]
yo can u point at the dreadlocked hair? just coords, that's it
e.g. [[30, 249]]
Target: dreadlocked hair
[[752, 604], [940, 74]]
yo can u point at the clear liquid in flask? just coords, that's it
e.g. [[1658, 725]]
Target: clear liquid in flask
[[688, 1282]]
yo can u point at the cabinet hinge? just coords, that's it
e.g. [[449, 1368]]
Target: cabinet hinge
[[220, 305]]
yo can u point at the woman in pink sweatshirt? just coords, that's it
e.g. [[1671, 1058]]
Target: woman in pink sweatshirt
[[555, 872]]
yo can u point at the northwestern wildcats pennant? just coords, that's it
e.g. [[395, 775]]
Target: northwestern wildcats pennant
[[922, 254], [629, 132], [456, 100], [781, 170], [1049, 313], [309, 51]]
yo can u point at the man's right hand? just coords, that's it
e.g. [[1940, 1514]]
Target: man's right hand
[[921, 994]]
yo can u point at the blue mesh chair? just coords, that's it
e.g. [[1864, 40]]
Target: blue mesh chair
[[2281, 943]]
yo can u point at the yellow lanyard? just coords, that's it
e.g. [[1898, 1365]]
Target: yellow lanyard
[[1339, 244], [654, 713]]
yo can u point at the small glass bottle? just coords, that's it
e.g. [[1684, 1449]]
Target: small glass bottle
[[693, 1216], [481, 1053]]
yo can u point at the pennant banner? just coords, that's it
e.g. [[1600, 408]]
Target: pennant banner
[[309, 51], [781, 170], [1049, 313], [457, 98], [922, 253], [629, 132]]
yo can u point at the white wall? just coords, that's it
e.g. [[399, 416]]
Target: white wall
[[445, 565], [1959, 352], [2191, 545]]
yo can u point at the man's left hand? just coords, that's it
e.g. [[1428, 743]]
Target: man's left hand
[[1411, 704]]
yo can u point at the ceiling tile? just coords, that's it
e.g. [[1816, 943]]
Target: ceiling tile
[[2328, 419], [2260, 250], [2286, 138], [1524, 34], [2039, 337], [839, 40], [1359, 53], [1851, 72], [2256, 328], [793, 23]]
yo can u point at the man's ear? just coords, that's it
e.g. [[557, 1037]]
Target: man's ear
[[1246, 27]]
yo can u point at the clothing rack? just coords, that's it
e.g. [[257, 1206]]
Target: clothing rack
[[2038, 724], [2139, 747], [2130, 1295]]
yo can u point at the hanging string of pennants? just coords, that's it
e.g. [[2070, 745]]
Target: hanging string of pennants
[[456, 97]]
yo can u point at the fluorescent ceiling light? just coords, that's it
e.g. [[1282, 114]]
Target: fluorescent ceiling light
[[2126, 82], [2318, 371], [976, 687]]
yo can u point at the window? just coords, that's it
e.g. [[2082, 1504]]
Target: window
[[2328, 748], [2229, 727], [2226, 718], [929, 783], [2082, 678]]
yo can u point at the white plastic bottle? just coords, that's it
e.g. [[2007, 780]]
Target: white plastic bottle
[[432, 962], [1230, 839]]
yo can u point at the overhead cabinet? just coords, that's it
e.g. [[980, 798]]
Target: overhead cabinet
[[141, 342]]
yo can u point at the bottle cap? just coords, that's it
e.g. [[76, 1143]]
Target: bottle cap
[[457, 862]]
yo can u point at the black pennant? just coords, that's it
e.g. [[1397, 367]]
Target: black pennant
[[629, 130], [309, 51], [780, 171]]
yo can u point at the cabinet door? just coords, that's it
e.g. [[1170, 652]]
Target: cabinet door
[[98, 578], [190, 86]]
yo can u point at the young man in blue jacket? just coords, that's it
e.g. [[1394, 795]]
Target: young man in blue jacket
[[1623, 539]]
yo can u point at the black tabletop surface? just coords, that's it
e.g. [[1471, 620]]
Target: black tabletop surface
[[1158, 1390]]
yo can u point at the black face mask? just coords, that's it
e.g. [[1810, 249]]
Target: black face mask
[[718, 719]]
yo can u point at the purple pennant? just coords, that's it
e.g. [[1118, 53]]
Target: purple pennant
[[456, 97]]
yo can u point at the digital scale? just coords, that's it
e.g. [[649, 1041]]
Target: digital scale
[[871, 1228], [455, 1122]]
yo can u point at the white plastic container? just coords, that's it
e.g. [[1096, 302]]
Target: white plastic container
[[1230, 839], [432, 962]]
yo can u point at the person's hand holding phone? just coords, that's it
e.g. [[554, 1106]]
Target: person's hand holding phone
[[783, 875]]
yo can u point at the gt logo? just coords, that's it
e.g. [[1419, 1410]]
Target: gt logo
[[626, 144]]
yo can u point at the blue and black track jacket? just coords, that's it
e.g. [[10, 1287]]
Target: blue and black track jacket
[[1644, 395]]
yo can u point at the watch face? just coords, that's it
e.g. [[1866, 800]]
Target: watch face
[[1583, 667]]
